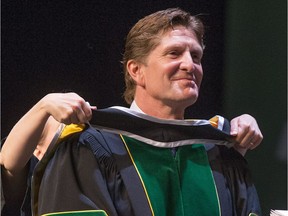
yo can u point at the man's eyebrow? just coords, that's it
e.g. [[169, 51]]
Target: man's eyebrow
[[197, 48], [170, 47]]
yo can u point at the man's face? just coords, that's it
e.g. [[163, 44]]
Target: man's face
[[173, 72]]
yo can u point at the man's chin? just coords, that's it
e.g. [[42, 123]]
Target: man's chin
[[189, 101]]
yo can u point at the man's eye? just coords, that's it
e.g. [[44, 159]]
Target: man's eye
[[173, 53], [196, 58]]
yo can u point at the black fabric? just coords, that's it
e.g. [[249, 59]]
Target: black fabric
[[88, 172], [84, 174], [26, 206], [128, 174], [92, 170], [237, 193], [162, 132]]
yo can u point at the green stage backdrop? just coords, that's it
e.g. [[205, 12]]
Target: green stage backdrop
[[256, 83]]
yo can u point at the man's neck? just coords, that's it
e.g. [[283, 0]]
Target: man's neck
[[158, 111]]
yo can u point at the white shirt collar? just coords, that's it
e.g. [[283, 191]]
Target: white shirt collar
[[135, 107]]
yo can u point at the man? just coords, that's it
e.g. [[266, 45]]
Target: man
[[104, 173]]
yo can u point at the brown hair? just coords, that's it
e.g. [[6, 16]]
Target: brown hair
[[144, 37]]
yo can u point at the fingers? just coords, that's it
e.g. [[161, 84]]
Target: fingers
[[83, 112], [251, 137], [69, 115], [248, 135], [87, 108], [234, 127], [69, 108], [256, 140]]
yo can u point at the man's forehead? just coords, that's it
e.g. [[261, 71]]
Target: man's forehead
[[181, 31], [180, 34]]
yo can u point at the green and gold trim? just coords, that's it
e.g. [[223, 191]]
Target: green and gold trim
[[142, 182], [78, 213]]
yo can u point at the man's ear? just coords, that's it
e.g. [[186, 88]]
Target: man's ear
[[135, 70]]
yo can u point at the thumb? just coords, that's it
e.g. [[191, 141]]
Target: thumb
[[234, 127]]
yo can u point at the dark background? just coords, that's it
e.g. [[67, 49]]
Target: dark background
[[255, 74], [54, 46], [61, 46]]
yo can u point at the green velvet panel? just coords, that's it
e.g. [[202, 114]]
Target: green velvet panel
[[176, 184]]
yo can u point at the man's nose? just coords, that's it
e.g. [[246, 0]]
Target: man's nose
[[187, 63]]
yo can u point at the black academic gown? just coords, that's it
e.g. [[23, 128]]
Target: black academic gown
[[92, 170]]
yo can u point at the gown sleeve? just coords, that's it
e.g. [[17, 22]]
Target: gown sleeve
[[234, 182], [75, 181]]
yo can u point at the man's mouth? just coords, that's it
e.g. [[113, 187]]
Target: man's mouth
[[183, 78], [186, 81]]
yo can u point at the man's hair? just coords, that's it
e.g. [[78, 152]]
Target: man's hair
[[146, 34]]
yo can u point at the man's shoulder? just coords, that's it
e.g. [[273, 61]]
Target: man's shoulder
[[98, 139], [90, 133], [83, 134]]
